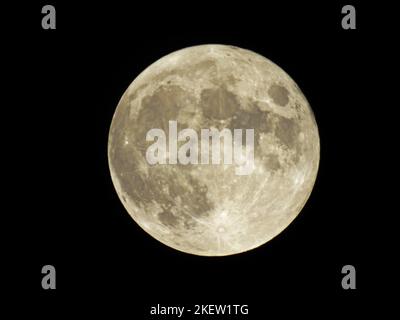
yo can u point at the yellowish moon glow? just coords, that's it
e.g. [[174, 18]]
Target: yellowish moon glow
[[210, 210]]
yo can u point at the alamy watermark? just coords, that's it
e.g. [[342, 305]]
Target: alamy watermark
[[196, 150], [49, 18], [349, 18], [49, 278]]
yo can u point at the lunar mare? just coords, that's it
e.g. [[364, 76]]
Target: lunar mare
[[207, 209]]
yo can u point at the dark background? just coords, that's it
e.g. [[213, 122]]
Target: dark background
[[64, 87]]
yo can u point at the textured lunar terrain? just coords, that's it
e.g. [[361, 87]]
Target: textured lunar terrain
[[208, 209]]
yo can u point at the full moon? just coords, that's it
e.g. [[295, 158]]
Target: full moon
[[208, 209]]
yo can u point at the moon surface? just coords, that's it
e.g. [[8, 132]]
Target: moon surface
[[209, 210]]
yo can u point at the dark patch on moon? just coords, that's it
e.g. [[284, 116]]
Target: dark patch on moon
[[218, 103], [272, 162], [279, 94], [252, 119], [160, 107], [287, 131], [201, 67], [156, 112], [167, 218]]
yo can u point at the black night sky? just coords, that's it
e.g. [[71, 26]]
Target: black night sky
[[65, 85]]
